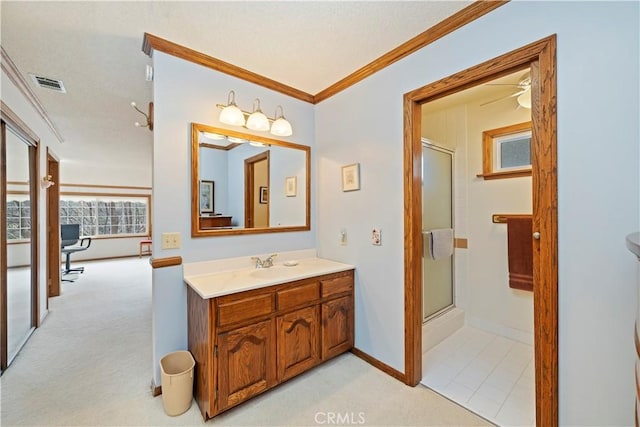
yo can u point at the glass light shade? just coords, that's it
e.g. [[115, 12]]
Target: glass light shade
[[232, 115], [214, 136], [281, 127], [236, 140], [258, 121], [525, 99], [257, 144]]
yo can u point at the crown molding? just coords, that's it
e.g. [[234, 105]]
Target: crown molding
[[469, 14], [151, 43], [11, 70]]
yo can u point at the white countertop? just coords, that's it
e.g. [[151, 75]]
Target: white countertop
[[225, 282]]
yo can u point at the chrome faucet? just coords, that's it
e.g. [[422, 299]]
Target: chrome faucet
[[266, 263]]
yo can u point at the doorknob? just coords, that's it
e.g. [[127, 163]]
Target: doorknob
[[536, 235]]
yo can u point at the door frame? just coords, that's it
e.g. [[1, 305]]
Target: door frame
[[540, 56], [10, 118], [249, 180], [53, 227]]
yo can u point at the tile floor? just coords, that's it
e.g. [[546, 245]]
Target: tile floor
[[491, 375]]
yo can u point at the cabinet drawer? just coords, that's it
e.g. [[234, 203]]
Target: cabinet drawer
[[247, 308], [298, 295], [337, 285]]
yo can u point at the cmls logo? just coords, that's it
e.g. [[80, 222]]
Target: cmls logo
[[338, 418]]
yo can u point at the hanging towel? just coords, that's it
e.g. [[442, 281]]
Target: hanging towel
[[520, 253], [441, 243]]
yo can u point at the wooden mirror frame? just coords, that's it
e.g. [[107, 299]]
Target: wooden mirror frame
[[196, 230]]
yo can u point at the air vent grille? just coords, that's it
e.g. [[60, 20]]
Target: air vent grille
[[48, 83]]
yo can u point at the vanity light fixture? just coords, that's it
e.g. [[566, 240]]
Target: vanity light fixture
[[257, 120], [213, 136], [231, 114], [281, 126], [236, 140], [148, 117]]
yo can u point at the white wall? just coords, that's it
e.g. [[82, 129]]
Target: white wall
[[185, 93], [492, 304], [213, 167], [15, 100], [598, 163]]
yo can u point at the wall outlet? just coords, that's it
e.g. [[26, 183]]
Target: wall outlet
[[343, 237], [170, 240], [376, 237]]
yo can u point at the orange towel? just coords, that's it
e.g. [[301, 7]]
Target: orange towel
[[520, 253]]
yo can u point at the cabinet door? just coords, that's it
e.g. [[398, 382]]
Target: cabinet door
[[337, 326], [298, 342], [246, 362]]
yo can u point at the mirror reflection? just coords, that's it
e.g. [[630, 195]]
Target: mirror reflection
[[244, 183], [19, 282]]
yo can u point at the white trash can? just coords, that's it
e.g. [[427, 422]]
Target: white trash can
[[177, 382]]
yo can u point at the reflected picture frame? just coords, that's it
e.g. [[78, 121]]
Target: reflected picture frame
[[291, 186], [264, 195], [206, 196], [351, 177]]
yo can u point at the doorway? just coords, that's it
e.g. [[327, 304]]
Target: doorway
[[541, 58], [257, 191]]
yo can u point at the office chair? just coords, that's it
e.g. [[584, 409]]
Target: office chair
[[69, 237]]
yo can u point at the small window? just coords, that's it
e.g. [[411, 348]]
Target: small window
[[507, 152]]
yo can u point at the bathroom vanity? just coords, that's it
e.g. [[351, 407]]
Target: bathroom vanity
[[252, 329]]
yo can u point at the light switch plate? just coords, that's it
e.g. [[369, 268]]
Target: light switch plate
[[376, 237], [343, 237], [170, 240]]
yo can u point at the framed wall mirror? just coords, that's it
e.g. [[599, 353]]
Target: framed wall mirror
[[252, 177]]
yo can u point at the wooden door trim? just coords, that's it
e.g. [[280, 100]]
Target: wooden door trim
[[541, 57], [53, 227]]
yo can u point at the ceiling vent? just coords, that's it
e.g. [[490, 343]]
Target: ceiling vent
[[48, 83]]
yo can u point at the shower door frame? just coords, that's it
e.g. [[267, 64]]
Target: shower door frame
[[540, 56], [432, 145]]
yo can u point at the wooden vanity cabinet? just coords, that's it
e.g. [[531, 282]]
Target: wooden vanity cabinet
[[248, 342]]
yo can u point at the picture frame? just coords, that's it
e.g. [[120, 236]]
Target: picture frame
[[351, 177], [264, 195], [291, 186], [206, 196]]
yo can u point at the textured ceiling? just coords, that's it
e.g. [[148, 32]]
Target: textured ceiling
[[95, 48]]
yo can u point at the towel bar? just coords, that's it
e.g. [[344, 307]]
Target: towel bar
[[502, 218]]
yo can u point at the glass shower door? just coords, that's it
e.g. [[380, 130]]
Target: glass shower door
[[437, 213]]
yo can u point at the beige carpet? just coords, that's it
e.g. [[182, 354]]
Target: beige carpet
[[90, 364]]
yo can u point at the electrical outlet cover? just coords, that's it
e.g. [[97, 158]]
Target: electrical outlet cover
[[376, 237]]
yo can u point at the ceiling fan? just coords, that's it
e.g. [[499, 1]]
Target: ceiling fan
[[523, 94]]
